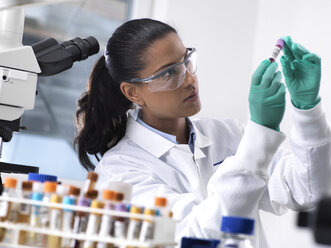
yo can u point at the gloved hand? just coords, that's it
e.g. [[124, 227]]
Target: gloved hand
[[302, 73], [267, 96]]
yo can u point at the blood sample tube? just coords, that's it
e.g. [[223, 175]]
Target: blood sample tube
[[278, 47]]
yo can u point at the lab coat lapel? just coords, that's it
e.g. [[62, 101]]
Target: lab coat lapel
[[145, 138]]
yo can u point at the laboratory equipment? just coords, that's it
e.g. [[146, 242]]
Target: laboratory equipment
[[68, 219], [134, 224], [278, 47], [187, 242], [55, 222], [90, 182], [21, 65], [161, 204], [107, 221], [34, 238], [93, 224], [25, 209], [319, 221], [41, 177], [120, 223], [236, 232], [63, 213], [146, 232]]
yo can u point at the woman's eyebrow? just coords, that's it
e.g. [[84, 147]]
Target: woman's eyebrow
[[171, 63]]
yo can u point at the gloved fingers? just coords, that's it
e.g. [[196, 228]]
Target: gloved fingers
[[276, 78], [281, 91], [268, 75], [298, 51], [287, 48], [312, 58], [287, 70], [278, 94], [259, 72]]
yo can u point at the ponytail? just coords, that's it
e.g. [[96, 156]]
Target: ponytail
[[101, 116]]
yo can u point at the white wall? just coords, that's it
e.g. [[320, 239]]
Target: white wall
[[232, 37]]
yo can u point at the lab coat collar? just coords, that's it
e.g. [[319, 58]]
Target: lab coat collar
[[156, 144], [145, 138]]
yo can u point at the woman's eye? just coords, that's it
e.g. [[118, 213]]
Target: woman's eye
[[172, 72]]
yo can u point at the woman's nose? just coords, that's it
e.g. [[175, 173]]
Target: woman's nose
[[189, 80]]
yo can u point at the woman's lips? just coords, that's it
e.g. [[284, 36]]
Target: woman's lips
[[192, 98]]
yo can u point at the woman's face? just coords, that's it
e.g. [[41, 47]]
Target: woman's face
[[181, 102]]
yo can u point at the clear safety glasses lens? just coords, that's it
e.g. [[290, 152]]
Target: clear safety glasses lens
[[173, 77]]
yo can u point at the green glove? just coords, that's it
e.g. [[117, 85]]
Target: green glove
[[267, 96], [302, 73]]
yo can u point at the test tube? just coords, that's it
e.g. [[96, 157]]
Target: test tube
[[25, 209], [62, 190], [134, 224], [91, 195], [147, 228], [119, 197], [68, 218], [55, 223], [107, 221], [33, 238], [80, 221], [93, 223], [90, 182], [74, 193], [278, 47], [49, 190], [161, 204], [120, 224]]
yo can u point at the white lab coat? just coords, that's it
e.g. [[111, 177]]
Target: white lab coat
[[256, 173]]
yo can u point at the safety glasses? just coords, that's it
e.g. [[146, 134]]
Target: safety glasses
[[173, 76]]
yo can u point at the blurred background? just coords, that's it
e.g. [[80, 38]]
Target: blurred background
[[231, 36]]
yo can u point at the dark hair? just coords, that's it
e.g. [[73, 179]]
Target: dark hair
[[102, 110]]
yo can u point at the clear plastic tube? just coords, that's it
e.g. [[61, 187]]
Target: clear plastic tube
[[67, 221], [93, 224], [120, 224], [55, 223], [107, 221], [134, 224], [278, 47], [80, 221], [24, 210], [33, 238], [147, 228]]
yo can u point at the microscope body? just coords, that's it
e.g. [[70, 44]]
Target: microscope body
[[21, 65], [18, 66]]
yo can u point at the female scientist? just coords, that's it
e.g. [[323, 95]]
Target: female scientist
[[136, 112]]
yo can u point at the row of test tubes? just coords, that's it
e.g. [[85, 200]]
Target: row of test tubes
[[70, 221]]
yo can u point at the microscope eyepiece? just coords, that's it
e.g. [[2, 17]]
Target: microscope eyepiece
[[81, 49], [54, 58]]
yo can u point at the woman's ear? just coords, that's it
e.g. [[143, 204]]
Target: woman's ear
[[132, 92]]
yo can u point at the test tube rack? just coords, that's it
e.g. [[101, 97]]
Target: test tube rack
[[164, 227]]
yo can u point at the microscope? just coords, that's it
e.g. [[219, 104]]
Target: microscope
[[21, 65]]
